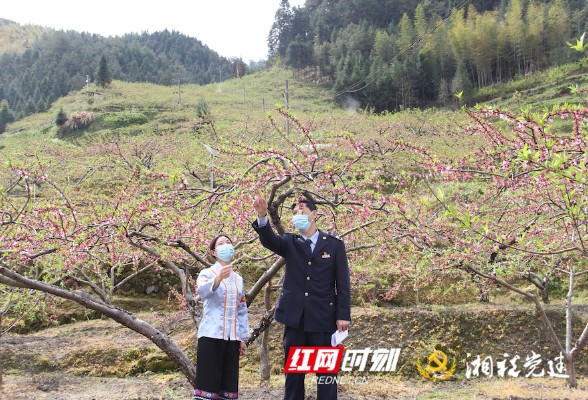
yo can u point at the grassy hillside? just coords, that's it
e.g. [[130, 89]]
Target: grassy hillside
[[542, 89], [229, 102], [234, 100], [49, 66]]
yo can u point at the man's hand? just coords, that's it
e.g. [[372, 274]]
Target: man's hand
[[243, 349], [260, 205], [342, 325]]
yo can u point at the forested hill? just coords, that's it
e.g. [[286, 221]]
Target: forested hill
[[485, 42], [15, 37], [49, 63]]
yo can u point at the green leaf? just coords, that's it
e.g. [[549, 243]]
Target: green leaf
[[579, 46], [440, 194]]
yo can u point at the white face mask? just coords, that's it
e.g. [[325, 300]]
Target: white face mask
[[225, 252], [301, 222]]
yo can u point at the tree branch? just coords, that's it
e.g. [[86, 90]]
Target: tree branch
[[179, 243], [128, 278], [530, 296], [41, 253], [267, 275], [123, 317]]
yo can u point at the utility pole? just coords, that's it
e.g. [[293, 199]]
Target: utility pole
[[238, 63], [212, 154], [287, 108], [219, 74], [87, 90], [263, 105], [179, 91]]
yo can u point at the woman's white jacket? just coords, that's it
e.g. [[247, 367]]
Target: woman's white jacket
[[225, 309]]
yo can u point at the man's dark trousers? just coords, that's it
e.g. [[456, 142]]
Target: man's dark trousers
[[296, 337]]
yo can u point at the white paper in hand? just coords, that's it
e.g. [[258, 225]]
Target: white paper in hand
[[338, 337]]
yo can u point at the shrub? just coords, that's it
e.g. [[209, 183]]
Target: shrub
[[202, 109], [61, 117], [81, 120]]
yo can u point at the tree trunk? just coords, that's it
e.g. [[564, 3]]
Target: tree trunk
[[569, 315], [545, 292], [265, 367], [1, 366], [571, 381]]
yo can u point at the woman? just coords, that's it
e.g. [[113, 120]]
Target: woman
[[224, 326]]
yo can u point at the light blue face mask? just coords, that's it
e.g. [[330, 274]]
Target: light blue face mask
[[225, 252], [301, 222]]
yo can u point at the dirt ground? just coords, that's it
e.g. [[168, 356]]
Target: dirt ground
[[65, 386], [101, 360]]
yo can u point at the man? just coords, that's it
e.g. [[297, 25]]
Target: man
[[315, 299]]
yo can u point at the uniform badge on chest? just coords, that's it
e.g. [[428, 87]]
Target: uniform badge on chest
[[325, 255]]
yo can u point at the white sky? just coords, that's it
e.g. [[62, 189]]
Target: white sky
[[230, 27]]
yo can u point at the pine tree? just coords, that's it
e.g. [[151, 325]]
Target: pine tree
[[202, 109], [48, 101], [6, 116], [102, 76], [280, 34], [61, 117], [383, 46], [37, 95], [461, 82], [29, 108], [443, 94], [41, 106]]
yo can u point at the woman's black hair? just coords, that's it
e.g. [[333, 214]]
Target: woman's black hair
[[212, 245]]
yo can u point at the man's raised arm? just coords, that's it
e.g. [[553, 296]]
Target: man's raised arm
[[267, 237]]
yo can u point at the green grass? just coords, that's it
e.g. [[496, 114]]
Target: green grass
[[225, 100], [539, 90]]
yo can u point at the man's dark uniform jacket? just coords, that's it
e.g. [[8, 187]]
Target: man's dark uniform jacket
[[315, 285]]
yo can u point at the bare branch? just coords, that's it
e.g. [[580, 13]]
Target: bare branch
[[267, 275], [128, 278], [41, 253], [580, 343], [364, 246], [184, 246], [357, 228], [530, 296], [261, 326]]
